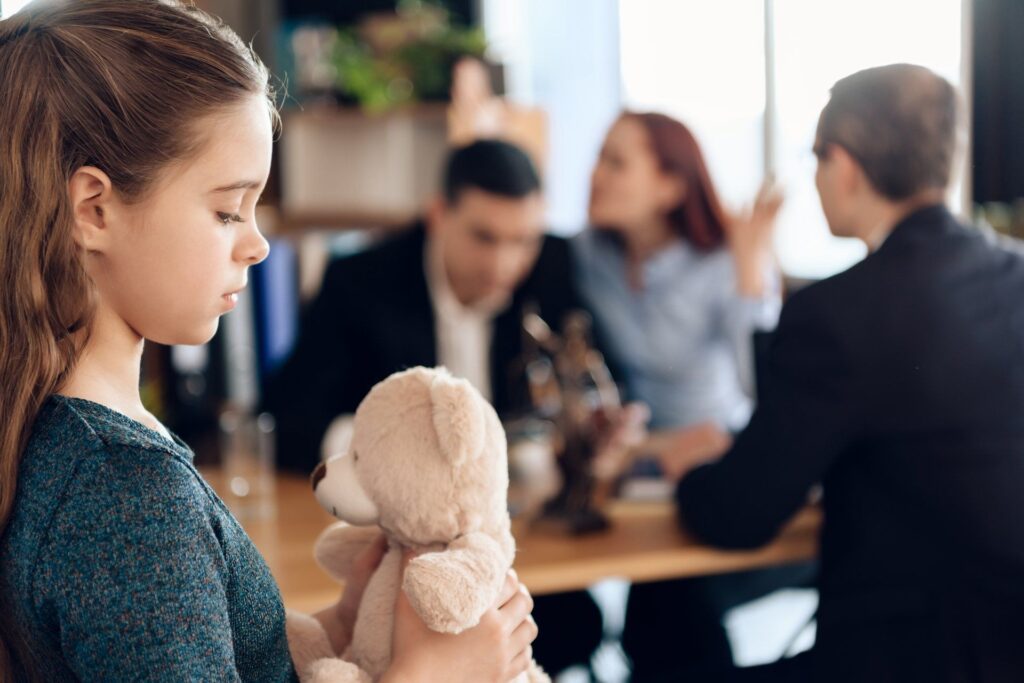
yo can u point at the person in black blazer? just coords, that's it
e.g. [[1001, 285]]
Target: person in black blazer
[[482, 255], [898, 385], [374, 316], [377, 311]]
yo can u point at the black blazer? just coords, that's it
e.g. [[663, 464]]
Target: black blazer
[[898, 384], [374, 316]]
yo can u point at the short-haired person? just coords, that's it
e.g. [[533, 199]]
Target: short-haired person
[[451, 290], [898, 384]]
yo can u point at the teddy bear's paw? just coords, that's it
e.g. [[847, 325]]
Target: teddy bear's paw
[[444, 605], [439, 614], [307, 640], [337, 671], [535, 674]]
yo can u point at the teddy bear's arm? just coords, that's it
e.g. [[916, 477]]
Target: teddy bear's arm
[[336, 671], [451, 589], [340, 544], [307, 641]]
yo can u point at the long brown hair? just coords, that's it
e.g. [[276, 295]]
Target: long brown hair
[[116, 84], [699, 218]]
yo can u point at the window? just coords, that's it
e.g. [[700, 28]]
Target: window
[[717, 68], [561, 56], [9, 7], [703, 63]]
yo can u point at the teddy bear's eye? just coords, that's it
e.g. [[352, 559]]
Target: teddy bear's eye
[[355, 457]]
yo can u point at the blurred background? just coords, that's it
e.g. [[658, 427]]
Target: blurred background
[[364, 90]]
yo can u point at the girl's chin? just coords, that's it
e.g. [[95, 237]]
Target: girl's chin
[[192, 337]]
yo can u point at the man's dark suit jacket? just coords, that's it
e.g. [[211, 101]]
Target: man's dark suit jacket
[[898, 384], [374, 316]]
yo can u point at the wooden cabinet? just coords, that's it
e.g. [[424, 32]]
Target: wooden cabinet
[[343, 168]]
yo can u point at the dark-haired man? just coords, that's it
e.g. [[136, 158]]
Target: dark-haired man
[[898, 384], [448, 291]]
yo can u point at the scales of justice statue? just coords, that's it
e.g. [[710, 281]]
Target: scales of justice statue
[[570, 386]]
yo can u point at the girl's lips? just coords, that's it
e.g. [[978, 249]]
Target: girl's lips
[[231, 298]]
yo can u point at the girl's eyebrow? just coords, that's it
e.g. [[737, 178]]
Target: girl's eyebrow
[[240, 185]]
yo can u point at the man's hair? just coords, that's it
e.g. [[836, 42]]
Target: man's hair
[[492, 166], [899, 122]]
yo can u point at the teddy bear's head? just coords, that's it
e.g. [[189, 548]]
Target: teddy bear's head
[[427, 462]]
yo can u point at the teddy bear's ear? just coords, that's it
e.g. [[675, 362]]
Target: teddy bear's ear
[[458, 418]]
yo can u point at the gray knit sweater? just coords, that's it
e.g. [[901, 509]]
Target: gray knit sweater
[[123, 565]]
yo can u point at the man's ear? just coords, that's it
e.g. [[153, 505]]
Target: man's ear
[[850, 174], [91, 194], [437, 208]]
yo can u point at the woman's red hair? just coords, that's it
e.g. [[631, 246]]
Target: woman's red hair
[[699, 218]]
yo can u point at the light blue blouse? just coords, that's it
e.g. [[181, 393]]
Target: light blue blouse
[[683, 343]]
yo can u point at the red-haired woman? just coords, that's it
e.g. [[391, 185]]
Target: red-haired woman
[[677, 287]]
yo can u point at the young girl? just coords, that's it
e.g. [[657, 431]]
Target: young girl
[[136, 141]]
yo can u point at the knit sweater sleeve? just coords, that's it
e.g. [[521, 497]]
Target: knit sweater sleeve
[[133, 575]]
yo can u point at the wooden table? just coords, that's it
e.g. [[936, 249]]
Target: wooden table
[[643, 544]]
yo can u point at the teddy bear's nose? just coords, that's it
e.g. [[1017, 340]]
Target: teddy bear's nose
[[319, 473]]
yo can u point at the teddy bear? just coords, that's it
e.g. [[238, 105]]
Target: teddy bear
[[427, 465]]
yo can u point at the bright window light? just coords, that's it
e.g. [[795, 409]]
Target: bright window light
[[810, 56], [9, 7], [705, 63]]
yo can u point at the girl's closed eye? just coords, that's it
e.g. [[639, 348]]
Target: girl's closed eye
[[226, 218]]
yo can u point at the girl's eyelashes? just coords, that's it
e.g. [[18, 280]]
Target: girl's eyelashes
[[226, 218]]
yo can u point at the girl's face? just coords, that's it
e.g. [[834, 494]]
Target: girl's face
[[171, 265], [628, 189]]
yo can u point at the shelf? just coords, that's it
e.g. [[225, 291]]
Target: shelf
[[297, 223]]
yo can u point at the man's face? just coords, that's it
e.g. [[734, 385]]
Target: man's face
[[833, 179], [489, 243], [823, 183]]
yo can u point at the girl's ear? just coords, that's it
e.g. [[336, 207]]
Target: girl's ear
[[91, 194]]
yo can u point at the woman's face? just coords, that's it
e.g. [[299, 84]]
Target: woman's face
[[628, 189], [174, 262]]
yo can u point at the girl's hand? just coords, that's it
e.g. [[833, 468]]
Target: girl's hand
[[494, 651]]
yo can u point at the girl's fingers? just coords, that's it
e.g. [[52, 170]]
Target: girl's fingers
[[516, 610], [520, 663], [508, 589], [524, 634]]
